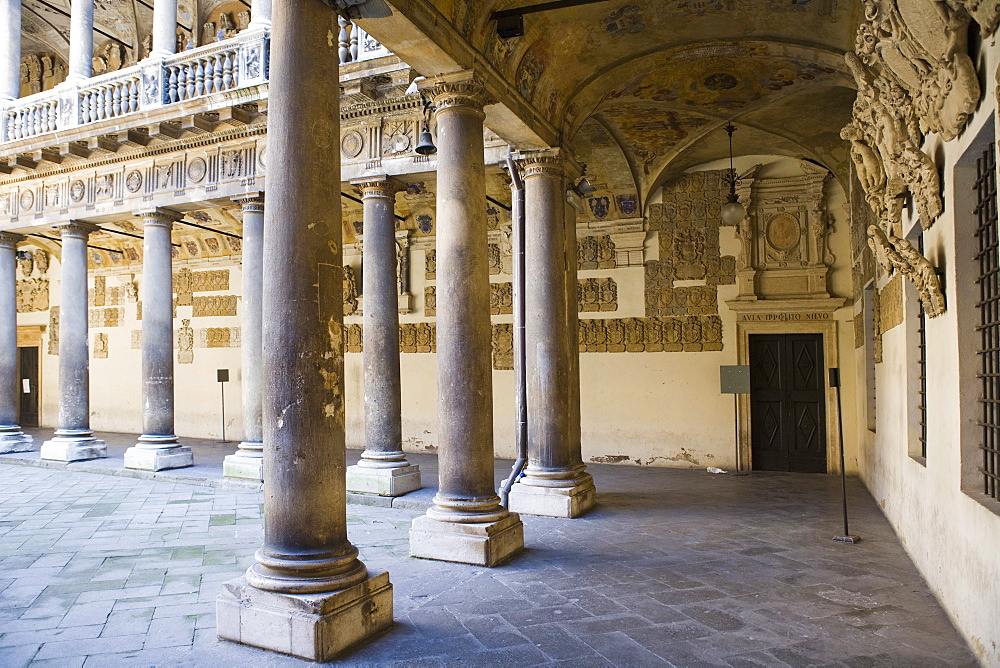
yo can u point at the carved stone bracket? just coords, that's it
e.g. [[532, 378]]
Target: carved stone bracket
[[892, 252]]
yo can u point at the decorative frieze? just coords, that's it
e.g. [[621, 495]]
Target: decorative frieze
[[214, 305], [685, 334]]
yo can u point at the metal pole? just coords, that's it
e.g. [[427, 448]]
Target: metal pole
[[222, 386], [736, 433], [847, 537]]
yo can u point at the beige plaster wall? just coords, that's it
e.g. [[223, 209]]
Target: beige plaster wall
[[950, 530]]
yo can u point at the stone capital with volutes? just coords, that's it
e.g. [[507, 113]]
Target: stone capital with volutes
[[377, 186], [251, 203], [459, 90], [9, 240], [159, 216], [76, 229], [552, 161]]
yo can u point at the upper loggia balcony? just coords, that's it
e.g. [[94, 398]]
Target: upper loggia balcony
[[212, 79]]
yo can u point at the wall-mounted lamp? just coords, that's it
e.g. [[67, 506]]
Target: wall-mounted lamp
[[733, 211], [22, 255], [583, 188]]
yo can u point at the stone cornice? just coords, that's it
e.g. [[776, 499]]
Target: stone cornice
[[9, 240]]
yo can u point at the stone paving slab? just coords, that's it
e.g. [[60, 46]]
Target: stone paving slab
[[673, 567]]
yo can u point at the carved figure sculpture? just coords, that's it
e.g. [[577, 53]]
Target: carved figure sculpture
[[892, 252]]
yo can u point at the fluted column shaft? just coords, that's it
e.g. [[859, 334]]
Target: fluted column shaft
[[9, 395], [81, 40], [383, 425], [164, 28], [157, 330], [547, 344], [74, 356], [10, 49], [247, 462], [305, 523]]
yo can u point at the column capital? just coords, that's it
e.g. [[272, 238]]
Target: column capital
[[457, 90], [377, 186], [251, 203], [159, 216], [9, 240], [554, 161], [76, 228]]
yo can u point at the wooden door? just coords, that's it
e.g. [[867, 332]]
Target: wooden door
[[28, 387], [787, 403]]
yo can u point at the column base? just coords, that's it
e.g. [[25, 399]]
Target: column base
[[73, 449], [238, 465], [384, 482], [158, 459], [16, 441], [553, 501], [480, 544], [315, 627]]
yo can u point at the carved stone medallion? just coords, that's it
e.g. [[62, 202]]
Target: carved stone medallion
[[783, 232], [77, 190], [133, 181], [27, 200], [352, 144], [197, 170]]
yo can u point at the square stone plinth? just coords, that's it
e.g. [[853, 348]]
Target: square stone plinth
[[553, 501], [73, 449], [384, 482], [236, 466], [316, 627], [480, 544], [16, 442], [159, 459]]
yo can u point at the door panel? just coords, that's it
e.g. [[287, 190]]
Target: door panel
[[787, 403], [28, 386]]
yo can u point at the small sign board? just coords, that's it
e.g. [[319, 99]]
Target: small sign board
[[223, 375], [735, 379]]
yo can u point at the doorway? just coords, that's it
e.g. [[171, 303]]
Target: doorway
[[28, 389], [787, 403]]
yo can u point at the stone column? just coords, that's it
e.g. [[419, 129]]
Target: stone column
[[164, 28], [383, 468], [10, 50], [73, 440], [81, 41], [308, 594], [157, 448], [466, 522], [555, 482], [12, 439], [248, 461], [260, 15]]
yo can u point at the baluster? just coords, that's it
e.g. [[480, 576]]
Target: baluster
[[227, 72], [131, 96], [85, 108], [209, 75], [36, 121], [99, 110], [173, 84], [354, 43], [109, 102], [19, 125], [53, 116], [217, 67], [199, 79], [116, 100], [343, 51], [189, 78]]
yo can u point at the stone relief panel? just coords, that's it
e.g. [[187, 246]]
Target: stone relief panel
[[503, 346], [430, 264], [219, 337], [185, 342], [501, 298], [53, 330], [890, 302], [136, 339], [597, 295], [351, 306], [106, 317], [672, 334], [187, 282], [596, 252], [430, 300], [214, 305], [100, 345], [32, 295], [859, 330]]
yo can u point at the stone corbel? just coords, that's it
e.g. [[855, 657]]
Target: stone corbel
[[892, 252]]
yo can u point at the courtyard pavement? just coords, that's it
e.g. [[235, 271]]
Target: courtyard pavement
[[674, 566]]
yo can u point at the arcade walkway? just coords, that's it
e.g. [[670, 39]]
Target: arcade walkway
[[673, 567]]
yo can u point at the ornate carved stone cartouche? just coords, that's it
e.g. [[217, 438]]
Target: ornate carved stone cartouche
[[891, 252]]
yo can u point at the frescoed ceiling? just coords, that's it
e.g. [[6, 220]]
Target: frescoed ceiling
[[663, 77]]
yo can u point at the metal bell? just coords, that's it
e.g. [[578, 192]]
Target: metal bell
[[425, 146]]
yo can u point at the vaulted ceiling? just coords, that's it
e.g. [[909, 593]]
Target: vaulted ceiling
[[651, 83]]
